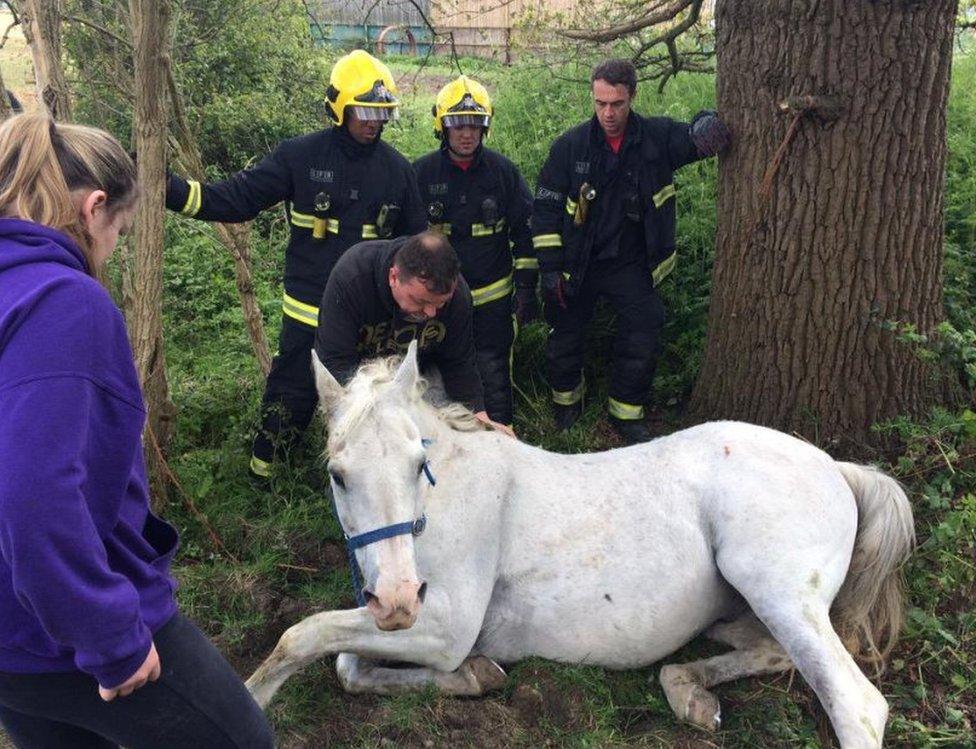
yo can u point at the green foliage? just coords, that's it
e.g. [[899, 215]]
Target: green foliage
[[245, 89], [931, 683]]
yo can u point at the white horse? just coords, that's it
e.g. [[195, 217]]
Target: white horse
[[615, 558]]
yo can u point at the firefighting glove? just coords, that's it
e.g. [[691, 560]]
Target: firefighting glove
[[526, 305], [709, 134], [554, 288]]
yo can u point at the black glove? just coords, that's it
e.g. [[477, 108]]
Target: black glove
[[554, 288], [709, 134], [526, 305]]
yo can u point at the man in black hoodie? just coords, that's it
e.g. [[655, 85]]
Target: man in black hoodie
[[340, 186], [385, 294]]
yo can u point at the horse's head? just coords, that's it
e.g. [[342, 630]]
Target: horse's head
[[376, 465]]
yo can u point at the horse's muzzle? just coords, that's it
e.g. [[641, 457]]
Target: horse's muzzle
[[399, 609]]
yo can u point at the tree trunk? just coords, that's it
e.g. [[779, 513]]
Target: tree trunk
[[5, 108], [150, 43], [847, 234], [41, 22]]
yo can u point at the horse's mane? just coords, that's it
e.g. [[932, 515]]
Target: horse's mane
[[374, 378]]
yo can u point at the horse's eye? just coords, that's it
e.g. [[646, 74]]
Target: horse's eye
[[337, 480], [420, 468]]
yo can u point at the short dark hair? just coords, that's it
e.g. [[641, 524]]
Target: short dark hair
[[616, 72], [429, 257]]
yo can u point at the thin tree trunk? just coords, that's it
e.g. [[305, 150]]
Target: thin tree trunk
[[150, 43], [41, 22], [235, 237], [5, 108], [846, 234]]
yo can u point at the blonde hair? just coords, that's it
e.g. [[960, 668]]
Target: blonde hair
[[42, 162]]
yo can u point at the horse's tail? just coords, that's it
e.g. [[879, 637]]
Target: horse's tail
[[867, 611]]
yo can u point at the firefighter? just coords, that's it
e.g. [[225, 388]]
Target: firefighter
[[603, 225], [340, 185], [385, 294], [478, 198]]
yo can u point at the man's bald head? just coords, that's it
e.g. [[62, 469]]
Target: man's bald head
[[428, 257]]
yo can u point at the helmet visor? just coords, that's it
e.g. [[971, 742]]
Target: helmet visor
[[375, 114], [469, 119]]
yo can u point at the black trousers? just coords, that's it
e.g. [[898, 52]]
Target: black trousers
[[627, 285], [289, 394], [198, 701], [494, 334]]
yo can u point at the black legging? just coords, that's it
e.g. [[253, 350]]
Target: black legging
[[198, 701]]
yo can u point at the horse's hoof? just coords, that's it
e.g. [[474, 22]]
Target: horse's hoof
[[703, 710], [690, 701], [489, 675]]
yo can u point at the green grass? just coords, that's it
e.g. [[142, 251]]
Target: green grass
[[291, 562]]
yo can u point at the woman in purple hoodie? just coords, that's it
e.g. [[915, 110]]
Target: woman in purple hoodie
[[93, 652]]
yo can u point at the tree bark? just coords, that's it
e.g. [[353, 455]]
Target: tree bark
[[41, 22], [846, 234], [150, 44], [5, 108]]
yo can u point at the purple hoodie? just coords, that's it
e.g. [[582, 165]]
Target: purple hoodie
[[84, 564]]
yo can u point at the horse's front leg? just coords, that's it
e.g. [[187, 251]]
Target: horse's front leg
[[430, 642]]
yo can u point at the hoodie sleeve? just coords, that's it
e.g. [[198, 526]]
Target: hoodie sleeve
[[48, 525], [337, 333]]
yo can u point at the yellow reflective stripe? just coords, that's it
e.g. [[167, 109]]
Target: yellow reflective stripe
[[526, 263], [547, 240], [304, 313], [571, 206], [481, 230], [568, 397], [444, 229], [194, 198], [307, 221], [302, 220], [664, 269], [260, 467], [663, 194], [492, 291], [369, 231], [622, 410]]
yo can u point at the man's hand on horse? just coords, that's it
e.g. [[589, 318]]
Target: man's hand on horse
[[148, 671], [482, 416]]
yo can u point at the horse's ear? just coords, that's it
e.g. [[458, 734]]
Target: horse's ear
[[408, 372], [330, 391]]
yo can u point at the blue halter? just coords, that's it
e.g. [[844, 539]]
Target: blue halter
[[413, 527]]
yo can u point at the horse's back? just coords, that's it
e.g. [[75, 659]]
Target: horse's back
[[611, 557]]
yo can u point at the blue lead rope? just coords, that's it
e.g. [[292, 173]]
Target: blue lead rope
[[414, 527]]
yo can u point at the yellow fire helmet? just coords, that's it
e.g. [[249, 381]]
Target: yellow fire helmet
[[463, 101], [360, 81]]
